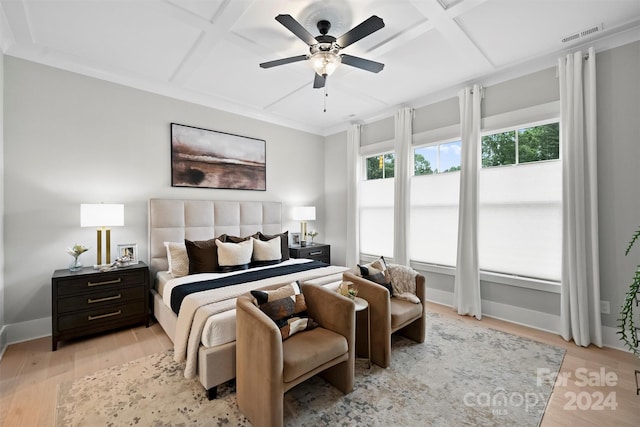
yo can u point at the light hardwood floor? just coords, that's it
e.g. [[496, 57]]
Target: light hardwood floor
[[30, 374]]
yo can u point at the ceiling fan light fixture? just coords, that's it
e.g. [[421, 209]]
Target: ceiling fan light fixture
[[324, 63]]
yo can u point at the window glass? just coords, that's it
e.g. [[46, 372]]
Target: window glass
[[381, 166], [450, 155], [499, 149], [425, 160], [539, 143], [438, 158], [525, 145]]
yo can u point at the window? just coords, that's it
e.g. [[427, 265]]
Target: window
[[525, 145], [439, 158], [520, 217], [376, 206], [381, 166], [434, 203]]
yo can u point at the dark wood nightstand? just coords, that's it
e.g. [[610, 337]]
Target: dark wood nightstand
[[316, 251], [89, 301]]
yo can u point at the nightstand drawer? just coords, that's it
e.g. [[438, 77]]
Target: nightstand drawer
[[313, 252], [95, 283], [101, 299], [317, 252], [96, 318]]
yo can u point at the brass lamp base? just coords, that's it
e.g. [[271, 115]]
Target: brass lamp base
[[99, 247], [303, 233]]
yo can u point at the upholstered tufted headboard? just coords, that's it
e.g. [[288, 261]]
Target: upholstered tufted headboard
[[175, 220]]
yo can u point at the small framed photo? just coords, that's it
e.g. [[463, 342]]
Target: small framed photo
[[128, 250], [295, 238]]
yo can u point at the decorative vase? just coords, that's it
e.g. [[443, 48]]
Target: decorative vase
[[76, 264]]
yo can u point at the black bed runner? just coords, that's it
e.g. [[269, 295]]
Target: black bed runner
[[181, 291]]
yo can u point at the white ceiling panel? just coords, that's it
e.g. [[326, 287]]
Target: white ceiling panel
[[141, 37], [309, 103], [511, 31], [210, 51], [248, 84], [204, 9]]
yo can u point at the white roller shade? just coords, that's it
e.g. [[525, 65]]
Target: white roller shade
[[376, 217], [434, 218], [521, 220]]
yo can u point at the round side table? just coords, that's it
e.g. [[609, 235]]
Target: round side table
[[363, 304]]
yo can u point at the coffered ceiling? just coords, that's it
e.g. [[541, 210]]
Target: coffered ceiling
[[208, 52]]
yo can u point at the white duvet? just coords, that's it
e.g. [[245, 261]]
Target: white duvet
[[220, 328], [210, 319]]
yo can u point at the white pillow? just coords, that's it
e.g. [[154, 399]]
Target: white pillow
[[267, 251], [236, 255], [177, 258]]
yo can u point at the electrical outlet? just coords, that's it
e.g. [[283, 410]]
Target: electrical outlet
[[605, 307]]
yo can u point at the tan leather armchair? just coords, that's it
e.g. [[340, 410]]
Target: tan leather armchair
[[389, 315], [267, 367]]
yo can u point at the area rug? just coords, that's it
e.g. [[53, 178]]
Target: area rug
[[462, 375]]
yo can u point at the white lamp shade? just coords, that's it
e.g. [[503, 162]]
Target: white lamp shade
[[101, 215], [304, 213]]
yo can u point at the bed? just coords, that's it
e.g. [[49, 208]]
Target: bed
[[203, 332]]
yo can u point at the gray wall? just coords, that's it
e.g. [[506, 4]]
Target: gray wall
[[71, 139], [618, 98], [619, 175], [3, 336], [335, 179]]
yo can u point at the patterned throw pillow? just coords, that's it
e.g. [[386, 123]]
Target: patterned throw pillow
[[287, 307], [377, 272], [177, 258]]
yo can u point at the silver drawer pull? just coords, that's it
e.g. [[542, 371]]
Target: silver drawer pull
[[93, 301], [102, 316], [107, 282], [315, 253]]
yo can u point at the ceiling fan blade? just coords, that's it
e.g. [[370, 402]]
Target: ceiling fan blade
[[367, 27], [319, 81], [283, 61], [297, 29], [365, 64]]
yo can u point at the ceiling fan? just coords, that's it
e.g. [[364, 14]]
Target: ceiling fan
[[324, 50]]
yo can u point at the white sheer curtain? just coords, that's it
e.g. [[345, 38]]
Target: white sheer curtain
[[402, 193], [466, 291], [354, 170], [580, 296]]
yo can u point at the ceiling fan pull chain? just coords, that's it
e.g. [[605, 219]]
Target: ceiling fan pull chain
[[325, 97]]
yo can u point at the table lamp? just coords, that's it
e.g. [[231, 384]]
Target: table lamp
[[304, 214], [102, 215]]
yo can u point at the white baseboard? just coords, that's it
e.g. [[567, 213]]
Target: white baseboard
[[525, 317], [3, 340], [611, 339], [509, 313], [29, 330]]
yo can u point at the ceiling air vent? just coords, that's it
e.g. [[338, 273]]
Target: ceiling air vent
[[581, 34]]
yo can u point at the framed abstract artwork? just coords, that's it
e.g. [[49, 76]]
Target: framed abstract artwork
[[210, 159]]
